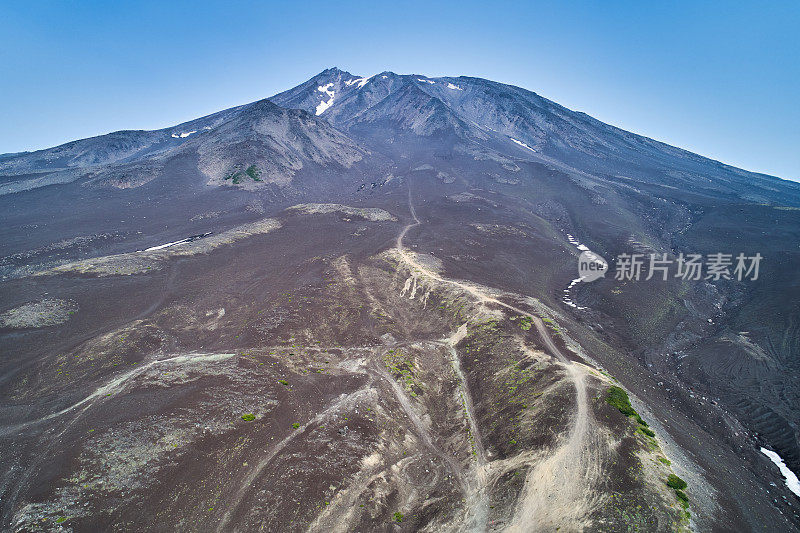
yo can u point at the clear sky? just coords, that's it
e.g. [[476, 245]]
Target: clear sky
[[716, 77]]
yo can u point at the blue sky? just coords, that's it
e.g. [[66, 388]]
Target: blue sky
[[718, 78]]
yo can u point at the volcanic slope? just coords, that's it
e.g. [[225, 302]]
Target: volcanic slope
[[429, 405], [353, 306]]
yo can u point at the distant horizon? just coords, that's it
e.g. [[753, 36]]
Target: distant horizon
[[716, 80]]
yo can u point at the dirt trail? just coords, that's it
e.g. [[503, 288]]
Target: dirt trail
[[558, 487], [97, 397], [477, 501], [423, 430], [477, 292], [343, 403], [116, 385]]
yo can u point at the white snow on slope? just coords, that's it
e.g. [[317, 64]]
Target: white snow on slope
[[454, 87], [791, 478], [322, 106], [583, 248], [484, 127], [426, 81], [160, 246], [184, 134], [360, 81], [572, 240], [522, 144]]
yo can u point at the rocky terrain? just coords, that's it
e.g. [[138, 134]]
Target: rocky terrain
[[354, 306]]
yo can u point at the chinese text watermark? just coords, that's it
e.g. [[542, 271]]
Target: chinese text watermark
[[695, 267], [659, 266]]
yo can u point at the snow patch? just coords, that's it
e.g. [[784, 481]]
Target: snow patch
[[160, 246], [426, 81], [568, 299], [790, 477], [323, 105], [454, 87], [583, 248], [523, 145], [360, 81], [184, 134], [182, 241]]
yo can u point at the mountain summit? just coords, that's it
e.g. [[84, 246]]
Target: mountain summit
[[474, 116], [505, 118]]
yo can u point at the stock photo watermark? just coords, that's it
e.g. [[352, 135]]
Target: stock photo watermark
[[691, 267]]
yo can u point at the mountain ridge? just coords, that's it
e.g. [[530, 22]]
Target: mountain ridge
[[7, 163]]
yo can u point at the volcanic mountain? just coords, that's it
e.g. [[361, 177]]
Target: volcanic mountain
[[355, 305]]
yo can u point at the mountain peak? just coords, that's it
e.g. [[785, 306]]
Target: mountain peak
[[332, 72], [265, 104]]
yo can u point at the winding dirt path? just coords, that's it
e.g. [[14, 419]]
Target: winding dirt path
[[557, 493], [246, 484], [97, 397], [557, 489], [477, 502], [423, 431], [116, 385]]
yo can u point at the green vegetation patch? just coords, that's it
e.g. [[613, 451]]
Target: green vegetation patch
[[617, 397], [675, 482], [552, 325], [682, 496], [248, 417], [253, 172], [237, 176], [647, 431], [402, 369], [398, 517]]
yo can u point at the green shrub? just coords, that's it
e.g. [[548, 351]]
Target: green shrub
[[398, 516], [253, 172], [682, 496], [675, 482], [647, 431], [283, 382], [236, 176], [296, 425], [617, 397], [249, 417]]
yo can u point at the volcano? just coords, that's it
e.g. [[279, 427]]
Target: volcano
[[356, 306]]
